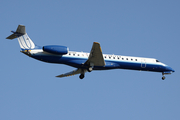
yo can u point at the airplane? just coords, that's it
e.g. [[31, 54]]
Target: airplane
[[85, 62]]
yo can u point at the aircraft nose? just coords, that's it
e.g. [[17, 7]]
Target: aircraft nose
[[170, 69]]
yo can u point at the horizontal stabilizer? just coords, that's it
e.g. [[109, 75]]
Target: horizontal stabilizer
[[11, 36], [19, 32]]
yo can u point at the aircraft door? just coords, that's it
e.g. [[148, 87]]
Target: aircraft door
[[143, 63]]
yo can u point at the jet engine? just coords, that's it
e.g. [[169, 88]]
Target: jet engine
[[56, 49]]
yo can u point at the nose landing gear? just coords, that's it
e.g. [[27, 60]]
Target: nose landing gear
[[163, 78]]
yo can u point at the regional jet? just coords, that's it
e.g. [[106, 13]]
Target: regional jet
[[85, 62]]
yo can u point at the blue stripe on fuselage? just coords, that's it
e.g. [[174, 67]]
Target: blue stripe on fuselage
[[77, 62]]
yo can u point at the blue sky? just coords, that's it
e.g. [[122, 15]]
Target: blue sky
[[29, 89]]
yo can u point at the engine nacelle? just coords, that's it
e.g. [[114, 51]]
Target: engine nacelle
[[56, 49]]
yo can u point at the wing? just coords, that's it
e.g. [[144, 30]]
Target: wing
[[96, 56], [74, 72], [95, 59]]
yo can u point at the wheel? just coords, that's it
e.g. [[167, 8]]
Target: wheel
[[163, 77], [90, 69], [81, 76]]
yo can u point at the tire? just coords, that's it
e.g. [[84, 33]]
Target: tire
[[90, 69], [81, 76]]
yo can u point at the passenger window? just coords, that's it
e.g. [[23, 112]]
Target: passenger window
[[122, 58], [131, 59], [126, 58], [136, 59]]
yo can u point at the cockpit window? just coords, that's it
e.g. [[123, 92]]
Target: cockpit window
[[157, 61]]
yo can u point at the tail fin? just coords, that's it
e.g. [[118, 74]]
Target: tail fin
[[24, 41]]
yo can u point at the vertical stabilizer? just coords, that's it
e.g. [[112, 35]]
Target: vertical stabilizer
[[24, 41], [21, 29]]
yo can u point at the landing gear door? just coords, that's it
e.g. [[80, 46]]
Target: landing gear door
[[143, 63]]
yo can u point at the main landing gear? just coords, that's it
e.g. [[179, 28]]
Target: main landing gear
[[81, 76], [89, 69]]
